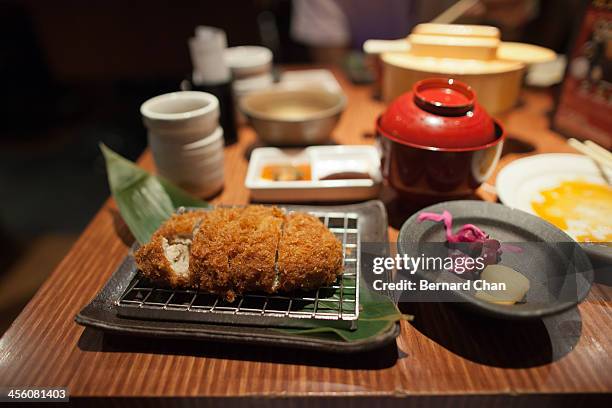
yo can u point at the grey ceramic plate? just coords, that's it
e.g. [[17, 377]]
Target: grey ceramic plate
[[555, 284], [101, 312]]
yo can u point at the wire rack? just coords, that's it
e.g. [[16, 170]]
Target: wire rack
[[338, 303]]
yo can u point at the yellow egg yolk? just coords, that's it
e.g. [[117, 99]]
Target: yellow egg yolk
[[582, 209]]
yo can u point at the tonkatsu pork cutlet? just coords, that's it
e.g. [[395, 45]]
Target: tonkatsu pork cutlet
[[235, 250], [309, 255], [165, 259]]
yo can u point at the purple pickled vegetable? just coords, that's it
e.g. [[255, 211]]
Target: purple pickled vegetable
[[470, 233], [491, 251], [446, 217], [480, 243], [467, 233]]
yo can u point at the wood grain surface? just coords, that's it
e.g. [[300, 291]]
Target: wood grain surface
[[445, 351]]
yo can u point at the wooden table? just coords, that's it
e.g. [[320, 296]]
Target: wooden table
[[443, 354]]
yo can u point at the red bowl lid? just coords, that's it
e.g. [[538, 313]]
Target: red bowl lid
[[438, 113]]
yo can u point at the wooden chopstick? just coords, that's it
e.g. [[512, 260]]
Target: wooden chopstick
[[602, 150], [454, 12], [592, 150]]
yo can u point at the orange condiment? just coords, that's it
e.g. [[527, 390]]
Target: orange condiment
[[582, 209], [286, 172]]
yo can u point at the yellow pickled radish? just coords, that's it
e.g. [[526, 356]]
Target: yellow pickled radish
[[517, 285]]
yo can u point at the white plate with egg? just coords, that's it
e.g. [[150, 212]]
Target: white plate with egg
[[567, 190]]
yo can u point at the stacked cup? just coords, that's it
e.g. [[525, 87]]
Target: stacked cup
[[186, 140], [251, 68]]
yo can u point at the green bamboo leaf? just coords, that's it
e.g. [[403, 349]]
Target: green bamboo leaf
[[145, 201], [377, 314]]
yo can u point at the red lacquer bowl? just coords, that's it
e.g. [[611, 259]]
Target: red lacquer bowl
[[438, 143]]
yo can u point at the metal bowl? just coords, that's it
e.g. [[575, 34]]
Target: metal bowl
[[293, 117]]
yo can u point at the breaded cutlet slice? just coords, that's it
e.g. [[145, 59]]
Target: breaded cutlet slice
[[212, 250], [309, 255], [234, 250], [165, 258], [254, 258]]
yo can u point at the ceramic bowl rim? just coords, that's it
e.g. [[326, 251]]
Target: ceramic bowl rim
[[332, 111], [211, 106]]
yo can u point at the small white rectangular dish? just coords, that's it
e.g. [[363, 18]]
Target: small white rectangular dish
[[308, 78], [337, 173]]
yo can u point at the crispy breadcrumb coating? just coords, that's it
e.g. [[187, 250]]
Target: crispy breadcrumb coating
[[234, 251], [253, 263], [238, 250], [309, 255], [212, 250], [152, 258]]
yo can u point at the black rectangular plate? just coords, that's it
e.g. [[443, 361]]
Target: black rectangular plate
[[101, 312]]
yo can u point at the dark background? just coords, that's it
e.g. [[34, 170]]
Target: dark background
[[74, 73]]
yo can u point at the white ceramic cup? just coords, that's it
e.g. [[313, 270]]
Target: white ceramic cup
[[186, 140], [181, 117], [200, 173], [171, 159], [248, 60]]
